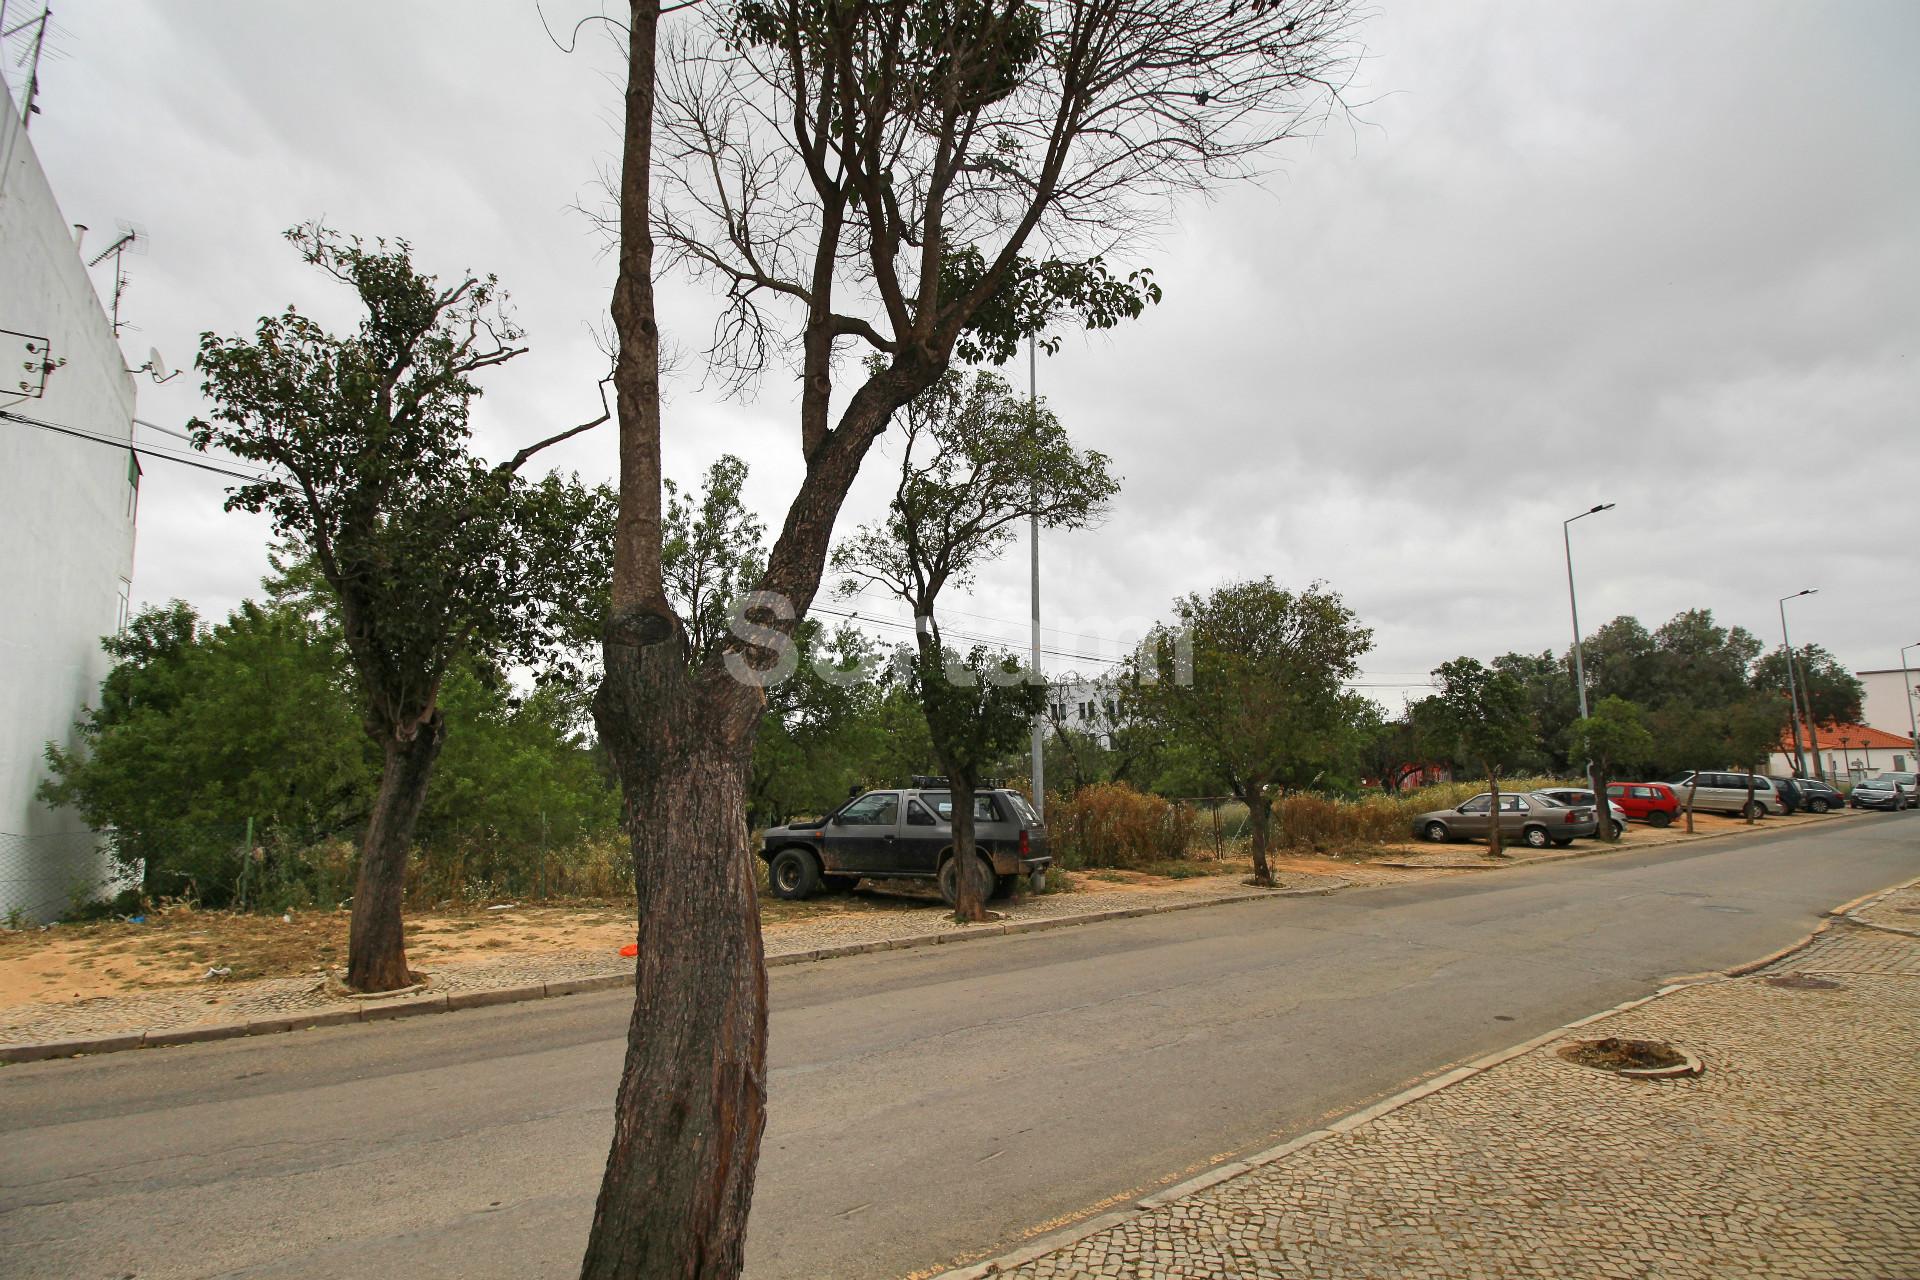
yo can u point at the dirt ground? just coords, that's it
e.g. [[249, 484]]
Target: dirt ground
[[177, 948]]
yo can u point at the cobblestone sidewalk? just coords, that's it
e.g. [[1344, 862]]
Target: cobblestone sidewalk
[[1792, 1156], [271, 998]]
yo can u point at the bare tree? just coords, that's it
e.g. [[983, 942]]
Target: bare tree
[[928, 179]]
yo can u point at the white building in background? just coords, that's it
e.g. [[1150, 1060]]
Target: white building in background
[[1090, 707], [67, 509], [1888, 704]]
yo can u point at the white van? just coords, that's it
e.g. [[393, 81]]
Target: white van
[[1727, 793]]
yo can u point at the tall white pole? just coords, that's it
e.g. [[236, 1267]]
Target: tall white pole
[[1033, 537], [1906, 683], [1579, 665]]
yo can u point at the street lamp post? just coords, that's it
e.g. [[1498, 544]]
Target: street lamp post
[[1573, 603], [1906, 683], [1793, 694]]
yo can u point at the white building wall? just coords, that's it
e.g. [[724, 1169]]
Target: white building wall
[[1885, 706], [67, 511]]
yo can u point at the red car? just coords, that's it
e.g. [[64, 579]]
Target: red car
[[1650, 802]]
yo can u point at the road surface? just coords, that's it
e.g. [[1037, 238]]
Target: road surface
[[926, 1104]]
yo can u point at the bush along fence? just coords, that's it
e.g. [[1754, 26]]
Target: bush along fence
[[1109, 824], [250, 865]]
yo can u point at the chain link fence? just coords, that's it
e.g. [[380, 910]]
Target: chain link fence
[[247, 865]]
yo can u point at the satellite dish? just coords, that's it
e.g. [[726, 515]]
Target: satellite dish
[[159, 365]]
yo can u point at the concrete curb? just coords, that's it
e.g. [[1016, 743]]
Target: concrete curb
[[1072, 1235], [1848, 911], [378, 1009]]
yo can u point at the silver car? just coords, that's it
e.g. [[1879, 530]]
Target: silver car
[[1581, 798], [1533, 818], [1727, 793]]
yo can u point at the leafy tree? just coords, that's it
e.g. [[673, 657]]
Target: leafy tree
[[1553, 701], [200, 727], [432, 556], [1831, 693], [1261, 700], [1478, 716], [902, 176], [1614, 735], [976, 461]]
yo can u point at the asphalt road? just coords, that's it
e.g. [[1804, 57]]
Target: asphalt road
[[925, 1104]]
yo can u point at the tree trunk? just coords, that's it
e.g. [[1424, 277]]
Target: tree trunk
[[376, 941], [1813, 736], [692, 1100], [1693, 785], [1496, 847], [974, 883], [1260, 813], [1597, 773], [1747, 810]]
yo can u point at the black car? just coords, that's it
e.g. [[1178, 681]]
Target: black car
[[1792, 797], [906, 834], [1818, 797], [1883, 792]]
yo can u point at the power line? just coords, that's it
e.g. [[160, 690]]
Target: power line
[[140, 450]]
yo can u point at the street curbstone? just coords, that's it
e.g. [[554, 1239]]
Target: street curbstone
[[194, 1035], [1179, 1190], [485, 996], [42, 1051], [581, 986], [412, 1007]]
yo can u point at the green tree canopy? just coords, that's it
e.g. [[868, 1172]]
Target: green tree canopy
[[1250, 681]]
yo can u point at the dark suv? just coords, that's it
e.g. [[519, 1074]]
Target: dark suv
[[906, 834]]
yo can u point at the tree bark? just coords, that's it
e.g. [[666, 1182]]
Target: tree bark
[[1496, 847], [1260, 812], [1747, 809], [692, 1100], [1693, 785], [376, 939], [1597, 772], [973, 884]]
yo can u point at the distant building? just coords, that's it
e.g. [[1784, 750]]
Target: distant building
[[1090, 707], [67, 510], [1848, 752]]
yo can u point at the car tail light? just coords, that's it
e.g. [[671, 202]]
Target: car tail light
[[1572, 817], [1025, 848]]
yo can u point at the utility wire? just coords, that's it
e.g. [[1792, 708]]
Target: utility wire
[[140, 450]]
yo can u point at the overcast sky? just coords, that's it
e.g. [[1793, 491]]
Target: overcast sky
[[1661, 255]]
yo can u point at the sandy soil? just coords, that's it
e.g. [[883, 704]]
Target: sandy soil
[[177, 948]]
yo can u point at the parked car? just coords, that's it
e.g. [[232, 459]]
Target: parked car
[[1884, 792], [1650, 802], [1789, 792], [1727, 793], [1532, 818], [906, 834], [1818, 797], [1581, 798]]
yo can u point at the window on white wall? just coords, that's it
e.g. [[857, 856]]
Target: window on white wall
[[125, 612], [133, 485]]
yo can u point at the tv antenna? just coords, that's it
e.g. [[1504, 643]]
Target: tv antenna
[[132, 239], [30, 56]]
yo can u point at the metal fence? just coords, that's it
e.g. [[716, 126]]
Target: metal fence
[[47, 875]]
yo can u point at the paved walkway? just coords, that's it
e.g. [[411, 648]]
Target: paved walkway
[[267, 998], [1792, 1156]]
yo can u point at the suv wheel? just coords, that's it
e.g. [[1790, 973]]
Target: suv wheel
[[950, 876], [793, 874], [1755, 810], [1537, 837], [1816, 805]]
